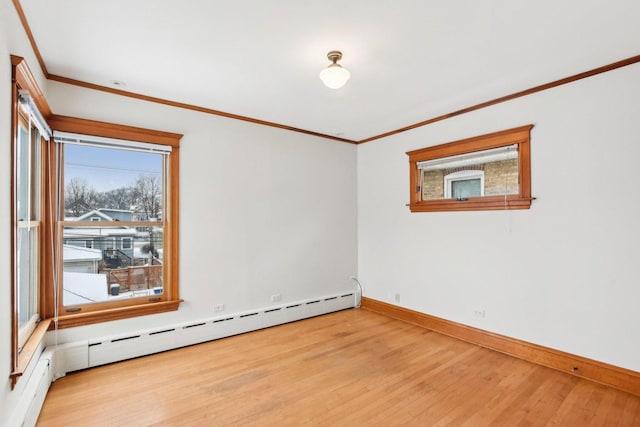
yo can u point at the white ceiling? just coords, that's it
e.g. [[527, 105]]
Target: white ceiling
[[410, 60]]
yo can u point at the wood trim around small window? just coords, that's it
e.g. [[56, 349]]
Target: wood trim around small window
[[522, 200]]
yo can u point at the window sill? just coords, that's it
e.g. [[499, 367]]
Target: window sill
[[28, 351], [81, 319], [493, 203]]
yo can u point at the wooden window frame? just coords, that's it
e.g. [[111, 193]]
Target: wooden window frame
[[169, 300], [22, 78], [22, 350], [520, 135]]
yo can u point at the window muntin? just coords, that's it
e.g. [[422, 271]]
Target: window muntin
[[114, 194], [492, 171]]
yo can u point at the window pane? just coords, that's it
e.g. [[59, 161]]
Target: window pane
[[499, 168], [106, 184], [27, 274], [98, 271], [466, 188], [22, 174], [36, 173]]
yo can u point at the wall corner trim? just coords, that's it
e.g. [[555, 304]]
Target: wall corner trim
[[582, 367]]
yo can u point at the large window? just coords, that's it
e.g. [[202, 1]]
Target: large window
[[481, 173], [115, 193], [94, 220], [118, 190]]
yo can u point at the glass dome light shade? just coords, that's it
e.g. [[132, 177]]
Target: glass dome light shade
[[334, 76]]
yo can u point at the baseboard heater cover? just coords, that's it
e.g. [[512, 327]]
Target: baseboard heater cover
[[26, 412], [111, 349]]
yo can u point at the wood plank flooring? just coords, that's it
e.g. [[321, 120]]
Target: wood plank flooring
[[351, 368]]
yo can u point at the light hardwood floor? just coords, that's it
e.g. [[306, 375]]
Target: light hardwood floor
[[352, 368]]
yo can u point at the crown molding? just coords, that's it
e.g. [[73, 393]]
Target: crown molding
[[522, 93], [32, 40], [191, 107], [535, 89]]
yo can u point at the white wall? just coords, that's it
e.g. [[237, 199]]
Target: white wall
[[262, 210], [563, 274]]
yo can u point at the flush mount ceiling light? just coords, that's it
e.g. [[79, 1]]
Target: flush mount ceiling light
[[334, 76]]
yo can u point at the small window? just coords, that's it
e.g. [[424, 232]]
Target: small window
[[127, 243], [464, 184], [481, 173]]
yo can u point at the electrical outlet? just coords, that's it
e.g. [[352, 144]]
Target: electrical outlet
[[218, 308], [480, 314], [396, 297], [276, 297]]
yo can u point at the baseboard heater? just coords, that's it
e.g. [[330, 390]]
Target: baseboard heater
[[140, 343], [26, 411]]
